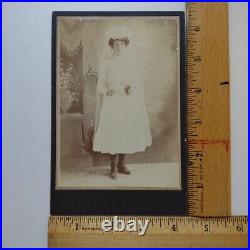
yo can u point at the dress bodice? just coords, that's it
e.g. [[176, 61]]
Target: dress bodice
[[118, 73]]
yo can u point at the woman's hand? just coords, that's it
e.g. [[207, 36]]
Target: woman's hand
[[128, 89], [110, 92]]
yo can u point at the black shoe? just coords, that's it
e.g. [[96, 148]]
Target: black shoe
[[113, 172], [122, 169]]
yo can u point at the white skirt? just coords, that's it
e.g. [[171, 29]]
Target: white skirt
[[123, 126]]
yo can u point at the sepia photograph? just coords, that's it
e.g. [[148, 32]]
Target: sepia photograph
[[118, 103]]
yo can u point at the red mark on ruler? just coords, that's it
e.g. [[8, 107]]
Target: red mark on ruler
[[210, 142]]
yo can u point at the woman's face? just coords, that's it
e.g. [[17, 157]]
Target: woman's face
[[118, 47]]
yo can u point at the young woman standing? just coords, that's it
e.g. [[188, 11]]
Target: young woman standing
[[122, 126]]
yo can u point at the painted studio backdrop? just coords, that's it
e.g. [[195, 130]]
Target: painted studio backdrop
[[81, 43]]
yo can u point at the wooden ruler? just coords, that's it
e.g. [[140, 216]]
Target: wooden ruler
[[162, 232], [208, 110]]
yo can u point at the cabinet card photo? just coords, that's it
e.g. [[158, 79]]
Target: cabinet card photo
[[118, 101]]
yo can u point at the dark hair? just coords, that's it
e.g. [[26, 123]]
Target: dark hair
[[125, 40]]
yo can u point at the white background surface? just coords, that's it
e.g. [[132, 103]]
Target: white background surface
[[26, 112]]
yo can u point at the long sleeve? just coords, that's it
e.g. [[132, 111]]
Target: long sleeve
[[102, 78], [101, 90]]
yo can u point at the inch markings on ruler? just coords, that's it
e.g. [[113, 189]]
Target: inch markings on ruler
[[162, 225], [208, 110], [162, 232]]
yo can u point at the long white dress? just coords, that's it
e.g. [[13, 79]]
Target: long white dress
[[123, 125]]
